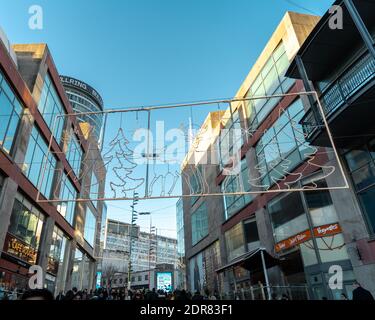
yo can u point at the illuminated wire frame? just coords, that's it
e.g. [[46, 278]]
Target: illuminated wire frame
[[129, 162]]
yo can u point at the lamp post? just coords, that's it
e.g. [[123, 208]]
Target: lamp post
[[134, 219], [149, 250]]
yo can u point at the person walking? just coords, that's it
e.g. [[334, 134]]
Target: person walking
[[360, 293]]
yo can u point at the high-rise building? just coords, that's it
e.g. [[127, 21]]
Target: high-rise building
[[85, 99], [117, 248], [56, 233]]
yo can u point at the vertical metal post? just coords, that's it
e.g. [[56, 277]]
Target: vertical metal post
[[265, 274], [362, 29], [308, 86], [148, 151]]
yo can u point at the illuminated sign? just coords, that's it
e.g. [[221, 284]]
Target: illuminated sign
[[164, 281], [20, 249], [98, 279]]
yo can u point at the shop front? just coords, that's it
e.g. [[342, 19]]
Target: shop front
[[21, 246], [309, 240]]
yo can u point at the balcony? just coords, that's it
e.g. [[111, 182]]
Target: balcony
[[348, 105]]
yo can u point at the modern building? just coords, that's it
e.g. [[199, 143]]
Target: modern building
[[162, 277], [85, 99], [340, 65], [257, 244], [117, 248], [62, 237]]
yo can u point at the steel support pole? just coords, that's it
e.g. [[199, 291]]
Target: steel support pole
[[265, 274], [361, 27]]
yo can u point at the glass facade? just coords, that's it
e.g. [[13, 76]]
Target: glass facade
[[67, 192], [235, 241], [361, 165], [74, 153], [90, 227], [271, 81], [82, 271], [58, 260], [282, 147], [11, 112], [230, 140], [199, 223], [94, 190], [26, 224], [39, 165], [50, 106], [236, 183]]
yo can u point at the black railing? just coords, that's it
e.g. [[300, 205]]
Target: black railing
[[346, 86]]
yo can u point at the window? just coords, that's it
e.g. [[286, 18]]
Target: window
[[360, 162], [236, 183], [196, 180], [235, 242], [94, 189], [90, 227], [10, 115], [139, 278], [50, 106], [39, 165], [282, 147], [26, 222], [74, 153], [199, 224], [230, 140], [146, 277], [251, 234], [57, 251], [319, 202], [287, 216], [270, 81], [68, 193]]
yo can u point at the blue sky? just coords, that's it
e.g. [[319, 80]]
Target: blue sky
[[145, 52]]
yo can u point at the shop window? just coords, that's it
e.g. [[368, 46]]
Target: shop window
[[251, 234], [332, 248], [235, 242], [11, 112], [320, 204], [287, 216], [308, 253], [368, 204], [26, 222]]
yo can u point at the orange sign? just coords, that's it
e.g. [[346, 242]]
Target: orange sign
[[327, 230], [322, 231], [293, 241], [20, 249]]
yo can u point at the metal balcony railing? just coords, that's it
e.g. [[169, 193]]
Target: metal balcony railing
[[356, 77]]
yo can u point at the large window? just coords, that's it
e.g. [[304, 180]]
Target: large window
[[90, 227], [10, 115], [82, 271], [67, 193], [251, 234], [288, 216], [50, 106], [361, 164], [26, 222], [39, 165], [235, 241], [94, 190], [74, 153], [199, 224], [236, 183], [282, 147], [270, 81]]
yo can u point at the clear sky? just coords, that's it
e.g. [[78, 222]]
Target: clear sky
[[145, 52]]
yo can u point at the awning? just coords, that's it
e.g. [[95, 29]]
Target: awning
[[251, 261]]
